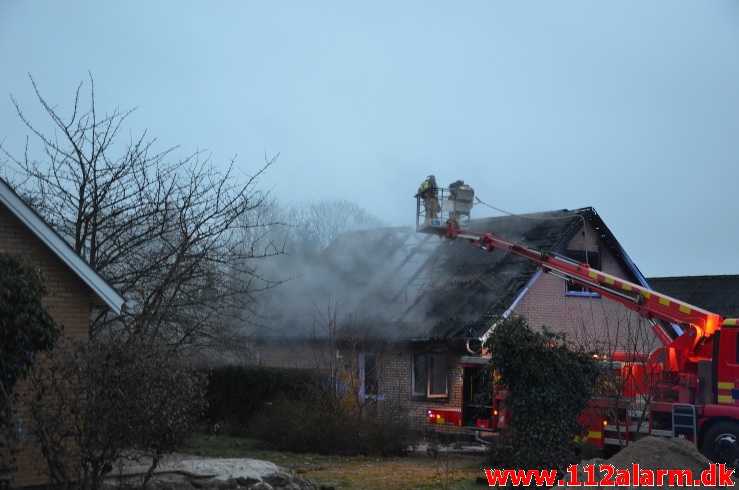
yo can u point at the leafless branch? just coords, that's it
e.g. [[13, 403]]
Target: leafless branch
[[174, 235]]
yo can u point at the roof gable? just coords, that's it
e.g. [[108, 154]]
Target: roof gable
[[59, 247]]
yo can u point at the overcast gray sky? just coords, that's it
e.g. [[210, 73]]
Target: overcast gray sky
[[628, 106]]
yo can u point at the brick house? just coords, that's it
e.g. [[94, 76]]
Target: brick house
[[416, 309], [75, 289]]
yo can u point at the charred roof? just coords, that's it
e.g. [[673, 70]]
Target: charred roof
[[396, 284]]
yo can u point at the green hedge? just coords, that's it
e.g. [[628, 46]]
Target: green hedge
[[316, 425], [236, 394]]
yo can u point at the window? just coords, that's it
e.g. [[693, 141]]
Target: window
[[369, 377], [429, 375], [590, 258]]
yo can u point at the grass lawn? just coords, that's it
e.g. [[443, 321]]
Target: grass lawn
[[418, 470]]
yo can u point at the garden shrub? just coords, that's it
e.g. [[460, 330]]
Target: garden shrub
[[311, 424], [92, 402], [549, 382]]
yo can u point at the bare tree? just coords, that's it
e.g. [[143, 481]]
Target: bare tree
[[359, 392], [633, 381], [294, 235], [167, 233], [307, 228], [328, 218]]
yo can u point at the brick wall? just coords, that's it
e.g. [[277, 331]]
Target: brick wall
[[69, 303], [592, 321], [396, 382], [418, 407]]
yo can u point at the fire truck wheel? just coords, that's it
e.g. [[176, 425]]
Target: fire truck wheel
[[721, 443]]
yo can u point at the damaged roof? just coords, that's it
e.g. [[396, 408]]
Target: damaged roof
[[397, 284], [717, 294]]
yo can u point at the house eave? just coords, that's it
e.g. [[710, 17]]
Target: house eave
[[106, 294]]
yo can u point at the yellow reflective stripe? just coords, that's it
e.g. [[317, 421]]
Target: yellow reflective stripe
[[646, 294], [594, 434], [609, 280], [725, 385], [593, 275], [725, 399], [664, 301], [626, 287], [731, 321], [685, 309]]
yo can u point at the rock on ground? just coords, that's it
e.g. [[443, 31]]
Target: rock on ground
[[179, 472]]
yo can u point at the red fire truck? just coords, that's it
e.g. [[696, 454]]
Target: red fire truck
[[694, 375]]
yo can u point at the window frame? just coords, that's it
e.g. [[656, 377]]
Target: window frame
[[430, 375], [590, 258], [376, 393]]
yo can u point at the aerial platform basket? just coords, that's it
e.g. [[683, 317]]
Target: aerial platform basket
[[450, 205]]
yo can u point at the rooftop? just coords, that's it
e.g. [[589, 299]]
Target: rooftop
[[396, 284]]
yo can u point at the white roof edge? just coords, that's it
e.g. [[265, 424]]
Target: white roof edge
[[60, 247], [535, 277]]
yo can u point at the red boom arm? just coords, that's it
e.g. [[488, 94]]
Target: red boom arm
[[647, 303]]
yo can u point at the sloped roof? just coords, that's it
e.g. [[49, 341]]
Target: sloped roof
[[718, 294], [104, 292], [396, 284]]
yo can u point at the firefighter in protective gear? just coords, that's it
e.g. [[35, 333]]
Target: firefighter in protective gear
[[453, 188], [464, 196], [428, 191]]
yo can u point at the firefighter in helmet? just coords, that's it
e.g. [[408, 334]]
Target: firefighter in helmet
[[428, 191], [461, 195]]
